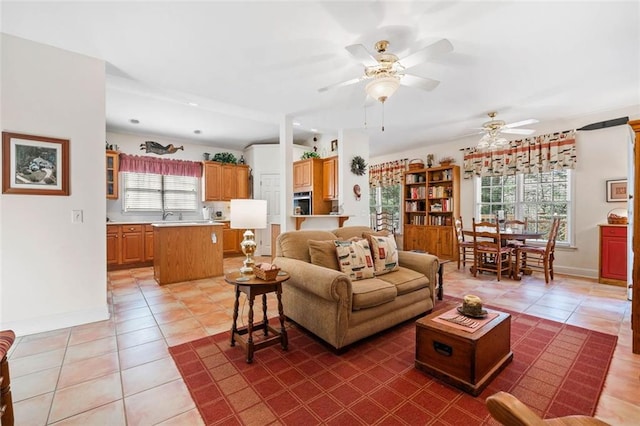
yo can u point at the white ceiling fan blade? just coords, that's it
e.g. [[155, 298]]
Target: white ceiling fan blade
[[521, 123], [362, 54], [342, 84], [517, 131], [419, 82], [436, 49]]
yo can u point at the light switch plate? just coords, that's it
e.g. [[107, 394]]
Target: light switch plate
[[76, 216]]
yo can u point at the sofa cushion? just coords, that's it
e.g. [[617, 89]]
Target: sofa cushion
[[384, 251], [354, 258], [323, 253], [372, 292], [295, 244], [406, 280], [350, 231]]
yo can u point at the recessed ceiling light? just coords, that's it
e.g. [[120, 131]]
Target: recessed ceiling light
[[192, 104], [314, 130], [296, 123], [134, 121], [197, 132]]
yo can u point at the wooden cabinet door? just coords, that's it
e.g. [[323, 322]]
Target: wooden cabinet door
[[447, 246], [613, 253], [228, 181], [148, 243], [132, 244], [212, 181], [113, 244], [112, 175], [302, 176], [415, 237], [230, 241], [242, 182], [330, 178], [432, 243]]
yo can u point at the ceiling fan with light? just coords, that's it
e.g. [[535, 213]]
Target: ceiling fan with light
[[493, 129], [387, 72]]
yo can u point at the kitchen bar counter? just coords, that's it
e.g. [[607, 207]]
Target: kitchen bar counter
[[301, 218], [185, 251]]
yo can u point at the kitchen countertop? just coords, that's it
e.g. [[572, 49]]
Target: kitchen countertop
[[186, 223], [169, 222]]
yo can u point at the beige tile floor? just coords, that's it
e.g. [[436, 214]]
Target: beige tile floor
[[119, 372]]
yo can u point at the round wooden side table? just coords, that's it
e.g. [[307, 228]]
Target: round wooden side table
[[251, 288]]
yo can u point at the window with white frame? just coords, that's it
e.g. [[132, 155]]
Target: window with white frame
[[145, 192], [536, 198], [386, 199]]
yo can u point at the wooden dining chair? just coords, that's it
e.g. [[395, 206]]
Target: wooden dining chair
[[539, 258], [465, 248], [488, 252]]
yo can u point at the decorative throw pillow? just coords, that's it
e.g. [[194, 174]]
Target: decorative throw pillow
[[385, 253], [323, 253], [354, 258]]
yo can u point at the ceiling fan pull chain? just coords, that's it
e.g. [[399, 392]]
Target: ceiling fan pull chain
[[383, 116]]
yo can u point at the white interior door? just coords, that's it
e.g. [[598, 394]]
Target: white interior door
[[270, 191]]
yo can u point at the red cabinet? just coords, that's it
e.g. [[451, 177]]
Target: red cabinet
[[613, 254]]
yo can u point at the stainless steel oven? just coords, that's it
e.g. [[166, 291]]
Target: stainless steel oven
[[302, 203]]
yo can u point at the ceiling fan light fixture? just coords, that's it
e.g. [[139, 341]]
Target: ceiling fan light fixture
[[381, 88]]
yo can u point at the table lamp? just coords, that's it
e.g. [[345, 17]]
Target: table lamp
[[249, 215]]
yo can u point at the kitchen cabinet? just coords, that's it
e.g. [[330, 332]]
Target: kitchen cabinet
[[113, 244], [132, 244], [303, 171], [127, 245], [222, 182], [330, 178], [231, 239], [613, 255], [307, 177], [112, 175], [186, 252], [242, 181], [148, 243]]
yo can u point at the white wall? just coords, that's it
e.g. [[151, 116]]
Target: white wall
[[602, 155], [130, 144], [53, 271]]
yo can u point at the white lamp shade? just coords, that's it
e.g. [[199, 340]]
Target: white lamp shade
[[248, 214], [381, 88]]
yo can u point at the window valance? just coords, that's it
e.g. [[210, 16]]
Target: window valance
[[159, 166], [387, 174], [537, 154]]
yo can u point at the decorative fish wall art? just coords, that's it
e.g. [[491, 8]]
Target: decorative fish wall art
[[156, 148]]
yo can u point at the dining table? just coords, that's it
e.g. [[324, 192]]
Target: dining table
[[517, 235]]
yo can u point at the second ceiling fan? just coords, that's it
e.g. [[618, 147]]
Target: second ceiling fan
[[387, 72]]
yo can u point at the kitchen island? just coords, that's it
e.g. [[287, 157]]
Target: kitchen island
[[185, 251], [301, 218]]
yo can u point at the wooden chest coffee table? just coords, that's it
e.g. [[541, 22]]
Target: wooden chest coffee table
[[466, 360]]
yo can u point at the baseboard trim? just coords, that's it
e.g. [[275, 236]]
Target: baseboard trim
[[58, 321]]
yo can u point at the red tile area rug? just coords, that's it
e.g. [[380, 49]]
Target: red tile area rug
[[557, 370]]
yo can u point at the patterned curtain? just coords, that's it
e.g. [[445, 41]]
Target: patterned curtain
[[159, 166], [387, 174], [537, 154]]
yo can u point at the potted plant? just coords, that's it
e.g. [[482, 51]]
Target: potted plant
[[446, 161], [309, 154]]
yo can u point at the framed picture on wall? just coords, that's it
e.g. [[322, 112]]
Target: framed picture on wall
[[34, 165], [617, 190], [334, 145]]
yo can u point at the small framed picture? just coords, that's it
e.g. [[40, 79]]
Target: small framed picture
[[34, 165], [334, 145], [617, 190]]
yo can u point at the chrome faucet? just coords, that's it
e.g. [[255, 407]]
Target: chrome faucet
[[165, 214]]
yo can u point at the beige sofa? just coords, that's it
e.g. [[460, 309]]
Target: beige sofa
[[327, 303]]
